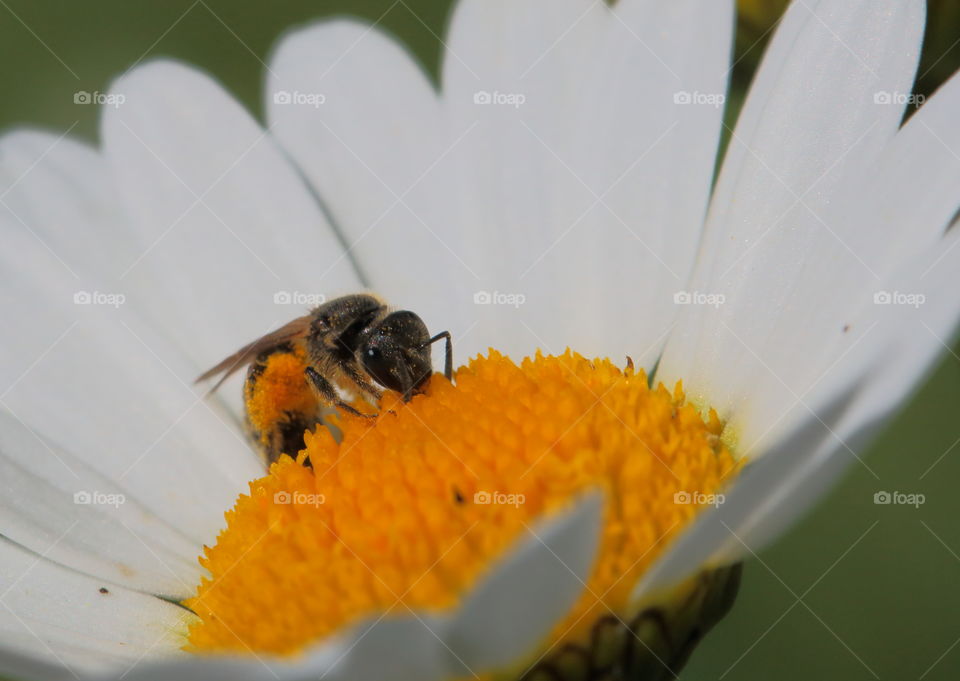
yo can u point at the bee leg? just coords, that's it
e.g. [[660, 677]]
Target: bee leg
[[406, 381], [328, 392], [361, 381], [447, 352]]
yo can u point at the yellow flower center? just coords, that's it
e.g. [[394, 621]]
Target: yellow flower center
[[410, 509]]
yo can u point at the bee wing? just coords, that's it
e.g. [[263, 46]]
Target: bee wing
[[291, 331]]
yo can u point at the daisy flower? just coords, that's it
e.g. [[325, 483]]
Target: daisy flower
[[552, 197]]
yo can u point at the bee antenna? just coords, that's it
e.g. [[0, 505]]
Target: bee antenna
[[448, 352], [428, 343]]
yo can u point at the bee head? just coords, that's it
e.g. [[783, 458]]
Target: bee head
[[396, 353]]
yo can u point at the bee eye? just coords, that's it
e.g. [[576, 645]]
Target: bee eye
[[382, 367]]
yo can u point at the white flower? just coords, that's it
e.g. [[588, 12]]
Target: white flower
[[550, 193]]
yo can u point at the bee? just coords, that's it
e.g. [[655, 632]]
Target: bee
[[353, 343]]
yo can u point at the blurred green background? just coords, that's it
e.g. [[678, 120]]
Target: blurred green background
[[878, 586]]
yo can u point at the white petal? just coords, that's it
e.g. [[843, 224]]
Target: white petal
[[903, 344], [59, 192], [903, 204], [753, 493], [219, 668], [811, 114], [515, 606], [404, 648], [225, 222], [56, 505], [100, 382], [650, 156], [410, 647], [514, 198], [501, 619], [562, 198], [810, 124], [19, 665], [361, 118], [62, 619], [909, 195], [912, 333], [376, 151], [503, 197]]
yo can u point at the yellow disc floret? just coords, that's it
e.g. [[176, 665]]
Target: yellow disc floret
[[410, 508]]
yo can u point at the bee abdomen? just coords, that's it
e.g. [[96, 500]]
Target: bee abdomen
[[279, 403]]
